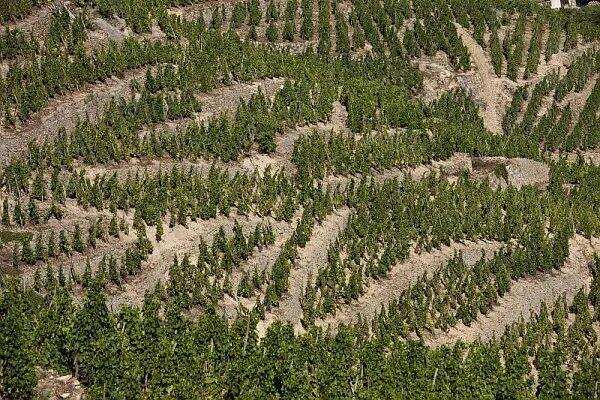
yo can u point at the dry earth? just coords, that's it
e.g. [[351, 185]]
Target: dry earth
[[528, 294], [52, 386], [313, 255], [64, 111], [260, 261], [493, 93], [379, 293], [176, 242]]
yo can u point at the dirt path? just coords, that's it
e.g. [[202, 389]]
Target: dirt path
[[379, 293], [527, 294], [438, 76], [577, 100], [215, 102], [519, 171], [63, 111], [450, 168], [310, 258], [52, 385], [178, 241], [493, 92], [75, 215], [36, 22], [589, 156], [559, 62], [282, 157], [225, 100], [262, 260]]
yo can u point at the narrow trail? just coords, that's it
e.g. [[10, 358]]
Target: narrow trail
[[528, 294], [260, 261], [74, 215], [222, 100], [451, 167], [310, 258], [492, 91], [64, 111], [379, 293], [36, 22], [178, 241], [589, 156], [577, 100], [282, 157]]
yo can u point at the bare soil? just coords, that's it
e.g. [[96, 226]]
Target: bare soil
[[492, 92], [52, 386], [64, 111], [519, 171], [528, 294], [379, 293], [175, 242], [313, 255], [222, 100], [260, 261]]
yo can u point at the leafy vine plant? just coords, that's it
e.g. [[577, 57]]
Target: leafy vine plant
[[299, 199]]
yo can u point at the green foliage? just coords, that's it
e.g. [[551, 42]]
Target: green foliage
[[306, 29], [512, 112], [15, 43], [18, 9], [534, 52], [496, 53], [157, 350], [17, 357], [515, 48]]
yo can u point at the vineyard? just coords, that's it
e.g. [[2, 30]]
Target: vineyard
[[299, 199]]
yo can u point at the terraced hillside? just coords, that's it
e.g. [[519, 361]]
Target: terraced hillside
[[299, 199]]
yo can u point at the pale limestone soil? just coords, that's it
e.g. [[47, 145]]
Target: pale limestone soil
[[77, 261], [577, 100], [313, 255], [380, 292], [74, 215], [223, 100], [52, 385], [520, 171], [37, 21], [64, 111], [527, 294], [438, 76], [493, 92], [260, 261], [175, 242], [255, 161], [282, 157], [589, 156]]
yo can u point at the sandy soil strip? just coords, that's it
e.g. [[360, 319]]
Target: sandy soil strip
[[589, 156], [36, 22], [76, 215], [527, 294], [179, 241], [310, 257], [577, 100], [282, 156], [379, 293], [492, 91], [450, 168], [262, 260], [64, 110], [215, 102]]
